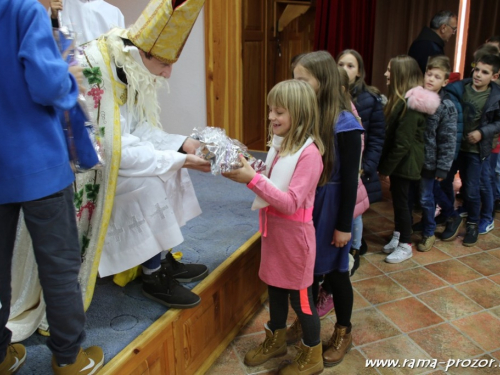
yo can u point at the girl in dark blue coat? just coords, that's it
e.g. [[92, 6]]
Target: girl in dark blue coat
[[368, 103]]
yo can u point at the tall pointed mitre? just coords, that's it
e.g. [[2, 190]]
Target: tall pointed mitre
[[164, 26]]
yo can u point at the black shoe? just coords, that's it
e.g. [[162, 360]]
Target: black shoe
[[162, 288], [184, 273], [453, 225], [355, 254], [440, 219], [471, 234], [417, 227], [497, 206], [364, 247]]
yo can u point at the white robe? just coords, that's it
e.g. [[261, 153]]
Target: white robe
[[154, 197], [90, 19]]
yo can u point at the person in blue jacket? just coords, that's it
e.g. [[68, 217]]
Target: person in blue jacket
[[37, 179], [477, 100]]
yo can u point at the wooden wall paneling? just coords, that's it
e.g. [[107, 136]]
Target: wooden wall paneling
[[224, 81], [254, 73]]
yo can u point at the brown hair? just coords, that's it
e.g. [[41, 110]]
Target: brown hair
[[405, 74], [359, 84], [321, 65]]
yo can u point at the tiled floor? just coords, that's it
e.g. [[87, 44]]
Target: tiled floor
[[443, 304]]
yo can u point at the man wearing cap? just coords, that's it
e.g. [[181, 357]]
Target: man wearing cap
[[148, 192]]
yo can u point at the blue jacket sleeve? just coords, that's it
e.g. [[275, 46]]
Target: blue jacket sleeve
[[46, 73], [372, 115]]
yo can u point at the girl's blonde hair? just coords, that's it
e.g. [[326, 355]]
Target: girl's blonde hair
[[299, 99], [405, 74], [331, 102]]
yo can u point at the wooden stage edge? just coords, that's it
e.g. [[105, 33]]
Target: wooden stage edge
[[190, 341]]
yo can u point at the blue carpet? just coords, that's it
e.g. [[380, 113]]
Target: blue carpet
[[118, 315]]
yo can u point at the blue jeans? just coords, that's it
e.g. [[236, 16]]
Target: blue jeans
[[51, 222], [486, 191], [431, 194], [473, 169], [428, 203], [357, 232]]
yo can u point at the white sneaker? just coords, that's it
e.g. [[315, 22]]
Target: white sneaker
[[402, 253], [391, 246]]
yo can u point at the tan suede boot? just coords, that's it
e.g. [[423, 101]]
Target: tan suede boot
[[308, 361], [274, 345], [294, 332], [338, 346]]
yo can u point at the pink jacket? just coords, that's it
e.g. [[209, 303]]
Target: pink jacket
[[288, 248]]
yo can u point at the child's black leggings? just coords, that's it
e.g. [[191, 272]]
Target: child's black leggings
[[302, 304], [339, 285]]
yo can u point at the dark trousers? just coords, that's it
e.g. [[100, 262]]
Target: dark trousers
[[402, 217], [303, 305], [472, 169], [343, 296], [51, 222], [447, 183]]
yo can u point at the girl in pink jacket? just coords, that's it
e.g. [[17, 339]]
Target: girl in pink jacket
[[285, 197]]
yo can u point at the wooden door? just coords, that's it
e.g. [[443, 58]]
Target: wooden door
[[254, 73]]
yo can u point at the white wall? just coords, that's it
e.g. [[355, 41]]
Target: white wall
[[186, 106]]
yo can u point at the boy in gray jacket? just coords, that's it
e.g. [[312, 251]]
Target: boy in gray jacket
[[439, 146]]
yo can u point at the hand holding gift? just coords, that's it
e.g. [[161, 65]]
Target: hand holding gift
[[223, 152], [244, 175]]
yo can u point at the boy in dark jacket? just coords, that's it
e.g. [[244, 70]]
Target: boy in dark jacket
[[479, 99], [439, 147]]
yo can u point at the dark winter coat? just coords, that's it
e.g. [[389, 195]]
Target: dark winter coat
[[428, 43], [369, 107], [490, 119], [440, 139], [403, 152]]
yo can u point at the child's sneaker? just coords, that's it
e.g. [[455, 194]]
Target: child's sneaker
[[393, 243], [14, 359], [471, 234], [88, 362], [452, 228], [325, 303], [486, 226], [403, 252], [426, 243]]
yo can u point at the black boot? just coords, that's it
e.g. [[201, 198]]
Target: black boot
[[355, 255], [453, 225], [184, 273], [162, 288], [471, 233], [364, 247]]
